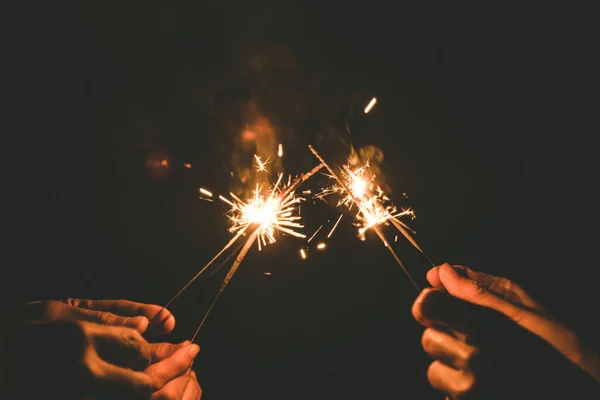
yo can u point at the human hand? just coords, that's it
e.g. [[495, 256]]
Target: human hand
[[490, 339], [127, 313], [57, 346]]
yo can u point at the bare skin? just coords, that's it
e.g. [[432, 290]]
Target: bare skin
[[489, 339], [94, 349]]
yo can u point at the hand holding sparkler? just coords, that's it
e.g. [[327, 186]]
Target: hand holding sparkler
[[491, 340], [91, 349]]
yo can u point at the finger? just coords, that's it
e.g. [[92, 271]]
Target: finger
[[170, 368], [124, 347], [160, 351], [433, 277], [456, 383], [477, 292], [139, 323], [184, 387], [447, 349], [117, 382], [60, 311], [436, 308], [162, 321], [193, 391]]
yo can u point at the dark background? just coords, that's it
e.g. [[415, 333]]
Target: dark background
[[486, 117]]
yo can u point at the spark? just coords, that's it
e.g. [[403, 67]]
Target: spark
[[372, 209], [187, 165], [375, 206], [370, 105], [314, 234], [206, 192], [261, 165], [335, 226], [269, 212], [280, 150], [268, 273], [303, 254], [321, 246]]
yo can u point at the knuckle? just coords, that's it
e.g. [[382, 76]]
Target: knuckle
[[157, 379], [479, 288], [72, 301]]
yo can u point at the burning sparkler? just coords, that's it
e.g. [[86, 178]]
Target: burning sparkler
[[265, 214], [357, 188]]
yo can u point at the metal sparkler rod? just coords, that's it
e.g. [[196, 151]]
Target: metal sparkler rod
[[228, 277]]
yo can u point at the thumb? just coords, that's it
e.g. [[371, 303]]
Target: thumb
[[477, 292]]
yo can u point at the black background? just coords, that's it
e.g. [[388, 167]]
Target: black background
[[486, 117]]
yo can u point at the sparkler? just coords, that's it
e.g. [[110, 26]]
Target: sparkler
[[265, 215], [374, 208]]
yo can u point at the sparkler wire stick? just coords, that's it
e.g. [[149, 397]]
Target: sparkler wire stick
[[358, 204], [228, 245], [402, 229], [282, 196], [228, 277], [286, 192]]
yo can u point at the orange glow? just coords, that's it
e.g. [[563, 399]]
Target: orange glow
[[187, 165], [321, 246]]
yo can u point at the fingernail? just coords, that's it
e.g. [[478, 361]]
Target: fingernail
[[184, 343], [193, 350]]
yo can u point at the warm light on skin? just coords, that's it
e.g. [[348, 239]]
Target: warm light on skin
[[321, 246], [370, 105]]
